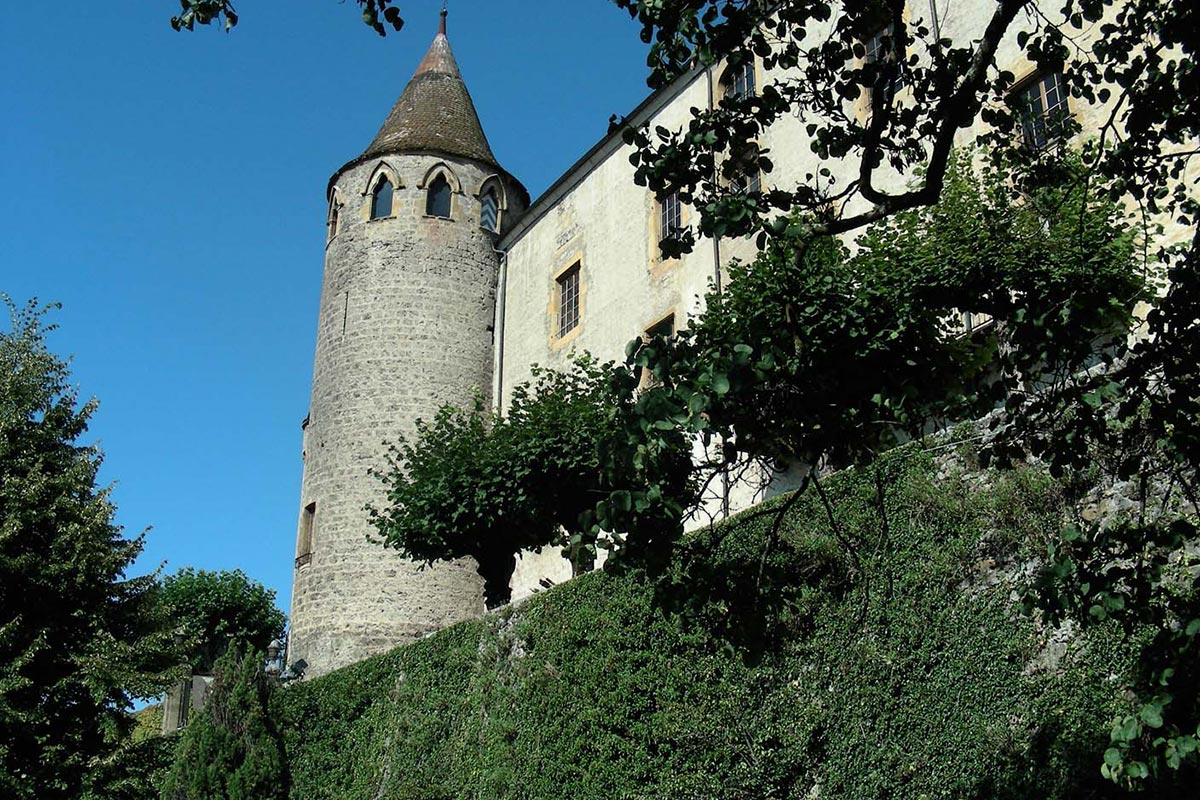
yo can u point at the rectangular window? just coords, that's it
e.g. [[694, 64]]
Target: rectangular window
[[747, 183], [751, 182], [745, 174], [1043, 108], [670, 217], [308, 519], [568, 300], [740, 81], [665, 329], [878, 46]]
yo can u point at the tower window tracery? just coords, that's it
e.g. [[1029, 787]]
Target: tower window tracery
[[335, 209], [489, 210], [381, 199], [437, 198]]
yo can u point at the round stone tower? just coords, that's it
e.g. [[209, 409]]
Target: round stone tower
[[405, 326]]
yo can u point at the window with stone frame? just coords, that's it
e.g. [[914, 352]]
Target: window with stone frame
[[1042, 105], [739, 81], [489, 210], [437, 197], [335, 210], [670, 217], [381, 199], [304, 545], [878, 47], [568, 300], [748, 179], [663, 329]]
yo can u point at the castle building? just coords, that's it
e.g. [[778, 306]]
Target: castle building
[[441, 280], [405, 325]]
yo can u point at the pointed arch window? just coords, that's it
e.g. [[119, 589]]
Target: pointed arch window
[[437, 199], [489, 210], [381, 199], [335, 209]]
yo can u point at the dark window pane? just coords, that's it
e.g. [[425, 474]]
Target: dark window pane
[[878, 46], [381, 200], [670, 217], [437, 201], [740, 82], [1044, 111], [665, 328], [568, 300]]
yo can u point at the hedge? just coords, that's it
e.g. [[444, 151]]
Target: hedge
[[901, 667]]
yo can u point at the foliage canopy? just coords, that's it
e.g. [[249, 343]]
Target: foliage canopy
[[231, 750], [79, 640], [213, 609], [473, 483], [919, 679]]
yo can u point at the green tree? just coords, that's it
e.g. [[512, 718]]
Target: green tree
[[1138, 420], [475, 484], [830, 357], [231, 750], [213, 609], [378, 14], [78, 638]]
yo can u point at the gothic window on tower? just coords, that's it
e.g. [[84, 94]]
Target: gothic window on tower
[[489, 210], [437, 198], [568, 300], [1042, 104], [304, 546], [334, 210], [739, 81], [381, 199]]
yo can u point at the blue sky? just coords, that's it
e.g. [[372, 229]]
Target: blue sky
[[168, 190]]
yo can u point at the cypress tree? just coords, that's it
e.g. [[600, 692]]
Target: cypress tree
[[231, 750]]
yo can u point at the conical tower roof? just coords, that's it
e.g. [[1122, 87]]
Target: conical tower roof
[[435, 113]]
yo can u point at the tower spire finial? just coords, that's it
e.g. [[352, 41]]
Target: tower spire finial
[[442, 24]]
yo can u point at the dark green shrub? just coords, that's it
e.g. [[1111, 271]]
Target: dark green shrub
[[231, 750]]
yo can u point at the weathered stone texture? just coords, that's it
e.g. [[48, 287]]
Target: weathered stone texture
[[405, 325]]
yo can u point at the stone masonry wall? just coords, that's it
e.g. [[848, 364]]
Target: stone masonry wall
[[405, 325]]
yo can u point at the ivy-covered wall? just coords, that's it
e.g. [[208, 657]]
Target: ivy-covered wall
[[901, 667]]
